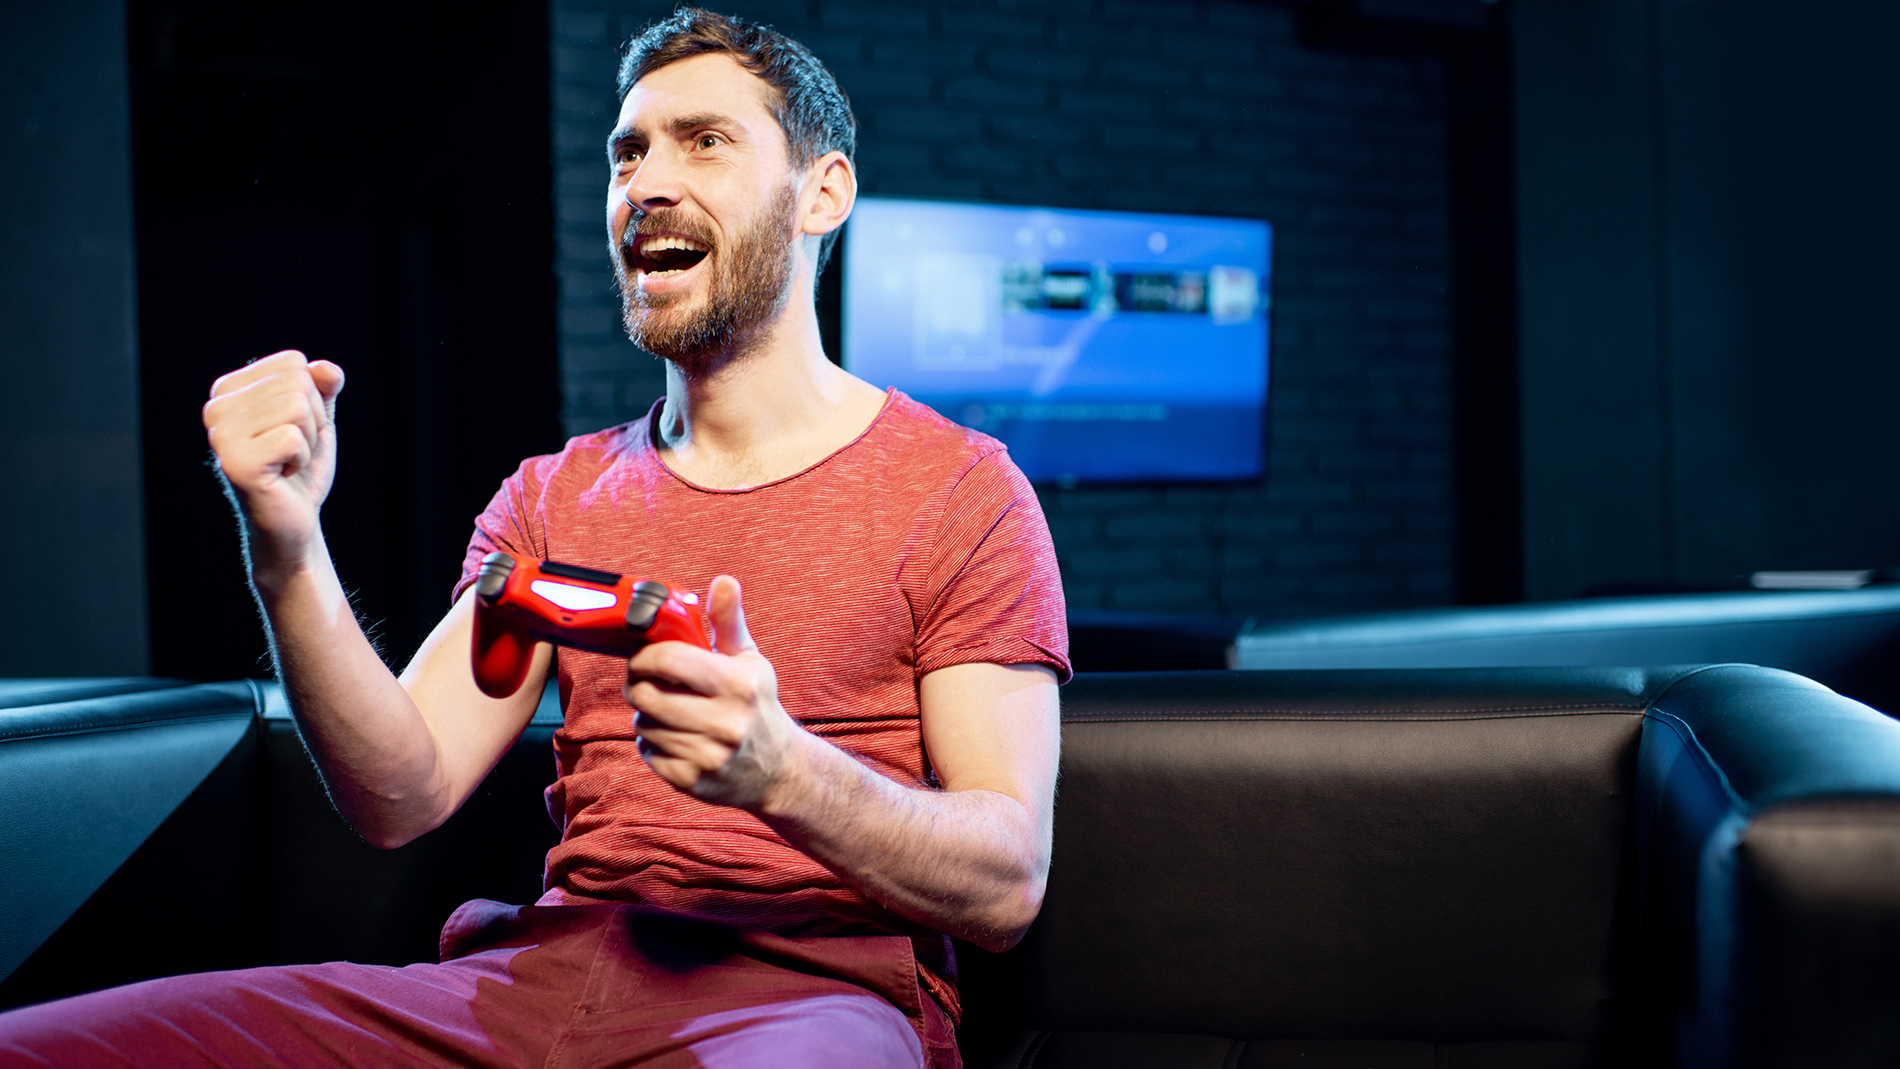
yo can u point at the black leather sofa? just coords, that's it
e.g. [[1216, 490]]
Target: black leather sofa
[[1846, 639], [1468, 867]]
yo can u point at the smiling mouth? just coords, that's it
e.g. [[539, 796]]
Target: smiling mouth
[[666, 255]]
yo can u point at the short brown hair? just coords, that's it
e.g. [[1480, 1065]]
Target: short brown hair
[[808, 104]]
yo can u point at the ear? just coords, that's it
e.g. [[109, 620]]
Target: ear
[[831, 188]]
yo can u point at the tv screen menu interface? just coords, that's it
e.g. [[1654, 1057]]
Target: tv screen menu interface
[[1099, 346]]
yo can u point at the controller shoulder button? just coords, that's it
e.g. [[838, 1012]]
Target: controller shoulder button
[[496, 567], [645, 604]]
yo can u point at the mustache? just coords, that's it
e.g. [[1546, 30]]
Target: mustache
[[665, 221]]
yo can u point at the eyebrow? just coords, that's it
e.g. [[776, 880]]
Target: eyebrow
[[683, 124], [688, 123]]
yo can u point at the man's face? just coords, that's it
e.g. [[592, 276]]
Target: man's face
[[701, 211]]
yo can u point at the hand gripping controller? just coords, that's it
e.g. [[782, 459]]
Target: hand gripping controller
[[520, 603]]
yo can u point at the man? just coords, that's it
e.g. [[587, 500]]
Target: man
[[764, 845]]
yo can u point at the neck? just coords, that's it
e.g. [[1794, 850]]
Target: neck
[[766, 413]]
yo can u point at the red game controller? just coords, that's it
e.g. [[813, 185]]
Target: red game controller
[[520, 603]]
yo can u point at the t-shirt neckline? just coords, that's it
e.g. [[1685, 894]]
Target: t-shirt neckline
[[653, 449]]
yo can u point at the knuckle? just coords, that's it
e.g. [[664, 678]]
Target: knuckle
[[293, 406]]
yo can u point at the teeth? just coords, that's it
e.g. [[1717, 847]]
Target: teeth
[[664, 242]]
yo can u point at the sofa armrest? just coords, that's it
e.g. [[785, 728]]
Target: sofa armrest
[[1769, 833], [83, 783]]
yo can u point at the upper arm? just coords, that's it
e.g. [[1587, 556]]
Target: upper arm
[[995, 727], [471, 730]]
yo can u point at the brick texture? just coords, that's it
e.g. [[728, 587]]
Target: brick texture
[[1206, 107]]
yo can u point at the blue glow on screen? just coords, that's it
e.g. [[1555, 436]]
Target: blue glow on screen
[[1099, 346]]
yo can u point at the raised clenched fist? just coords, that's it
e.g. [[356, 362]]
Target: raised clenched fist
[[272, 426]]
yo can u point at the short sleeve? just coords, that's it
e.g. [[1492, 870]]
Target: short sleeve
[[510, 523], [996, 593]]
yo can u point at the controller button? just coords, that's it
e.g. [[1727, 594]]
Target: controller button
[[645, 604]]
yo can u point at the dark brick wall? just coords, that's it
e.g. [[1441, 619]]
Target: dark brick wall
[[1204, 107]]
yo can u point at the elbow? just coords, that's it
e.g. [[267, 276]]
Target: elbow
[[1002, 935], [381, 834], [998, 942], [386, 840], [1009, 918], [392, 831], [390, 826]]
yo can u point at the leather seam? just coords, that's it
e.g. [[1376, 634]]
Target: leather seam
[[1035, 1049], [257, 698], [1688, 736], [1663, 689], [121, 725]]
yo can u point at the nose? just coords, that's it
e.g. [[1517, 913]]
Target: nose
[[654, 184]]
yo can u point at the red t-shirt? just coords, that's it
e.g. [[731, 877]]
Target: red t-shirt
[[917, 546]]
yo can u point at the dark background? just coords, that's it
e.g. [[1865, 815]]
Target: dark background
[[1568, 295], [1707, 233], [368, 183]]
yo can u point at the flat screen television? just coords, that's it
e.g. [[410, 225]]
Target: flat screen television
[[1099, 346]]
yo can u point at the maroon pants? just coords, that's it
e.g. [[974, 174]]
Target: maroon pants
[[566, 986]]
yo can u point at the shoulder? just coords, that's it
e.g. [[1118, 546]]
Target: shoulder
[[586, 459], [966, 484], [907, 416], [921, 440]]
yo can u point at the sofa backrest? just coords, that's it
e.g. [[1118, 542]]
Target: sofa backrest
[[1436, 856]]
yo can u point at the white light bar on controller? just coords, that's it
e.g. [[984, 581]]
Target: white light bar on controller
[[572, 598]]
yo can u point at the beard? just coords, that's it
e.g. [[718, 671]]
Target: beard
[[750, 285]]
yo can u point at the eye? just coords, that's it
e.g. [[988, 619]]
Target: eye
[[623, 155], [708, 141]]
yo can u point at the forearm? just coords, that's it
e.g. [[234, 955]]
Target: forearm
[[271, 425], [376, 753], [972, 863], [971, 860]]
